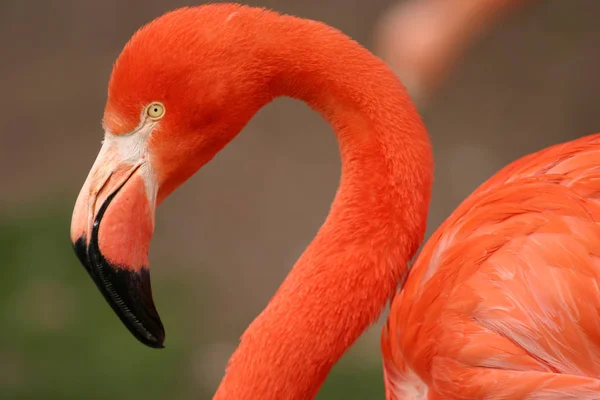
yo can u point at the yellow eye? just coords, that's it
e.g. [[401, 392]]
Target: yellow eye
[[155, 110]]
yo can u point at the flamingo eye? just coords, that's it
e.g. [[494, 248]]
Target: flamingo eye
[[155, 110]]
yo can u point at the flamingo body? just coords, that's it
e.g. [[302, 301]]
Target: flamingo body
[[503, 301]]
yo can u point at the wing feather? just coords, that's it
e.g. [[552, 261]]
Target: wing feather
[[510, 283]]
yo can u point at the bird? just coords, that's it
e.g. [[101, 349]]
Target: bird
[[422, 40], [502, 301]]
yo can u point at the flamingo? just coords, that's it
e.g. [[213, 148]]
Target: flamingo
[[503, 300], [423, 39]]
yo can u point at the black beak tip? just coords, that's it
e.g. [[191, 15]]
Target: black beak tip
[[127, 291], [154, 343], [147, 338]]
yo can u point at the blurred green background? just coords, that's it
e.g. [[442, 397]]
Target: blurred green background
[[227, 238], [62, 341]]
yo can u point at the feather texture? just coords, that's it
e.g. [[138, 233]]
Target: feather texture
[[503, 301]]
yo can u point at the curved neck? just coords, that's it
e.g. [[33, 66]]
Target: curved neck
[[341, 283]]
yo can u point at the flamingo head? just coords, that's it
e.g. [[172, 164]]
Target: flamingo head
[[182, 88]]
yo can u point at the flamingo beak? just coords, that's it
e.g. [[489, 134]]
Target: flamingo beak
[[111, 228]]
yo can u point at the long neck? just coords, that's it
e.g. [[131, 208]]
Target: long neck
[[343, 280]]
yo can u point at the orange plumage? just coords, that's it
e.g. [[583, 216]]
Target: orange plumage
[[501, 302]]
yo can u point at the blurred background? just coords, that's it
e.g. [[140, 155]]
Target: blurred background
[[226, 239]]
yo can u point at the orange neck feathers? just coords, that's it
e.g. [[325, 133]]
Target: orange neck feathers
[[351, 269]]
